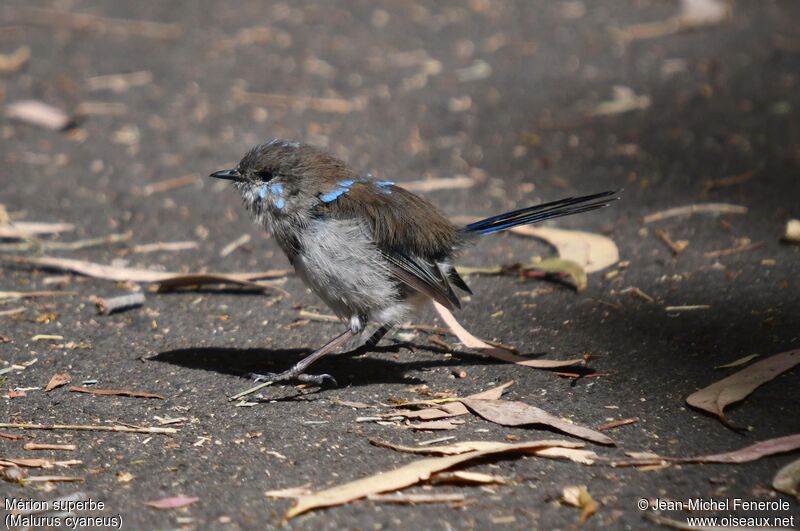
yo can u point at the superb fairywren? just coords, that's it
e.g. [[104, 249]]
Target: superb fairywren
[[371, 250]]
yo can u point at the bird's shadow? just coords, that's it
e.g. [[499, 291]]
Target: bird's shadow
[[350, 368]]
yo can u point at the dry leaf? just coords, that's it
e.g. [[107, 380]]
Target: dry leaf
[[451, 409], [401, 477], [481, 346], [704, 208], [747, 454], [38, 113], [559, 265], [175, 502], [787, 480], [738, 386], [511, 413], [578, 496], [164, 278], [593, 252], [58, 380], [469, 446], [737, 363], [117, 392], [792, 231]]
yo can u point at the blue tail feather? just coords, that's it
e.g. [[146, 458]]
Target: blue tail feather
[[535, 214]]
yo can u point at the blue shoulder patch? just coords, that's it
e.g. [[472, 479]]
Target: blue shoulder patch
[[332, 196]]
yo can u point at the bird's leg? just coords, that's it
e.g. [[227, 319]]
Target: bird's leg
[[376, 337], [297, 372]]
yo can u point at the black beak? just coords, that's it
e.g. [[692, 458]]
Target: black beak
[[231, 175]]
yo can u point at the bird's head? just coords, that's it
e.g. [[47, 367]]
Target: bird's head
[[282, 176]]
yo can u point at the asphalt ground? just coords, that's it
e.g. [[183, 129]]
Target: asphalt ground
[[502, 92]]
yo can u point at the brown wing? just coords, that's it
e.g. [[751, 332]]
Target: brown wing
[[410, 232]]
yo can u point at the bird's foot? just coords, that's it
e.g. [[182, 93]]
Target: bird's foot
[[285, 376]]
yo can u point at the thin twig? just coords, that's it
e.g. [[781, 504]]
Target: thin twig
[[86, 427], [248, 391]]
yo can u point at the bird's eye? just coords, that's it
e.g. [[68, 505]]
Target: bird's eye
[[264, 175]]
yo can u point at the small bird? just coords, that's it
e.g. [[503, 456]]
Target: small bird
[[372, 251]]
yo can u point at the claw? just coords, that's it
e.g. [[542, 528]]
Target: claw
[[317, 379]]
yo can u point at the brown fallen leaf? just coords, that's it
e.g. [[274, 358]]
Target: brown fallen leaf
[[560, 265], [512, 413], [747, 454], [578, 496], [481, 346], [450, 409], [704, 208], [163, 278], [58, 380], [787, 480], [572, 451], [738, 386], [117, 392], [401, 477], [10, 436], [49, 446], [175, 502], [593, 252], [15, 394], [38, 113]]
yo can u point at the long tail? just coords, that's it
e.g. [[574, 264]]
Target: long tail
[[535, 214]]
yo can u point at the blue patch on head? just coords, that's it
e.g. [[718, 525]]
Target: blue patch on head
[[280, 203], [383, 184], [262, 192], [276, 188], [331, 196], [347, 183]]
